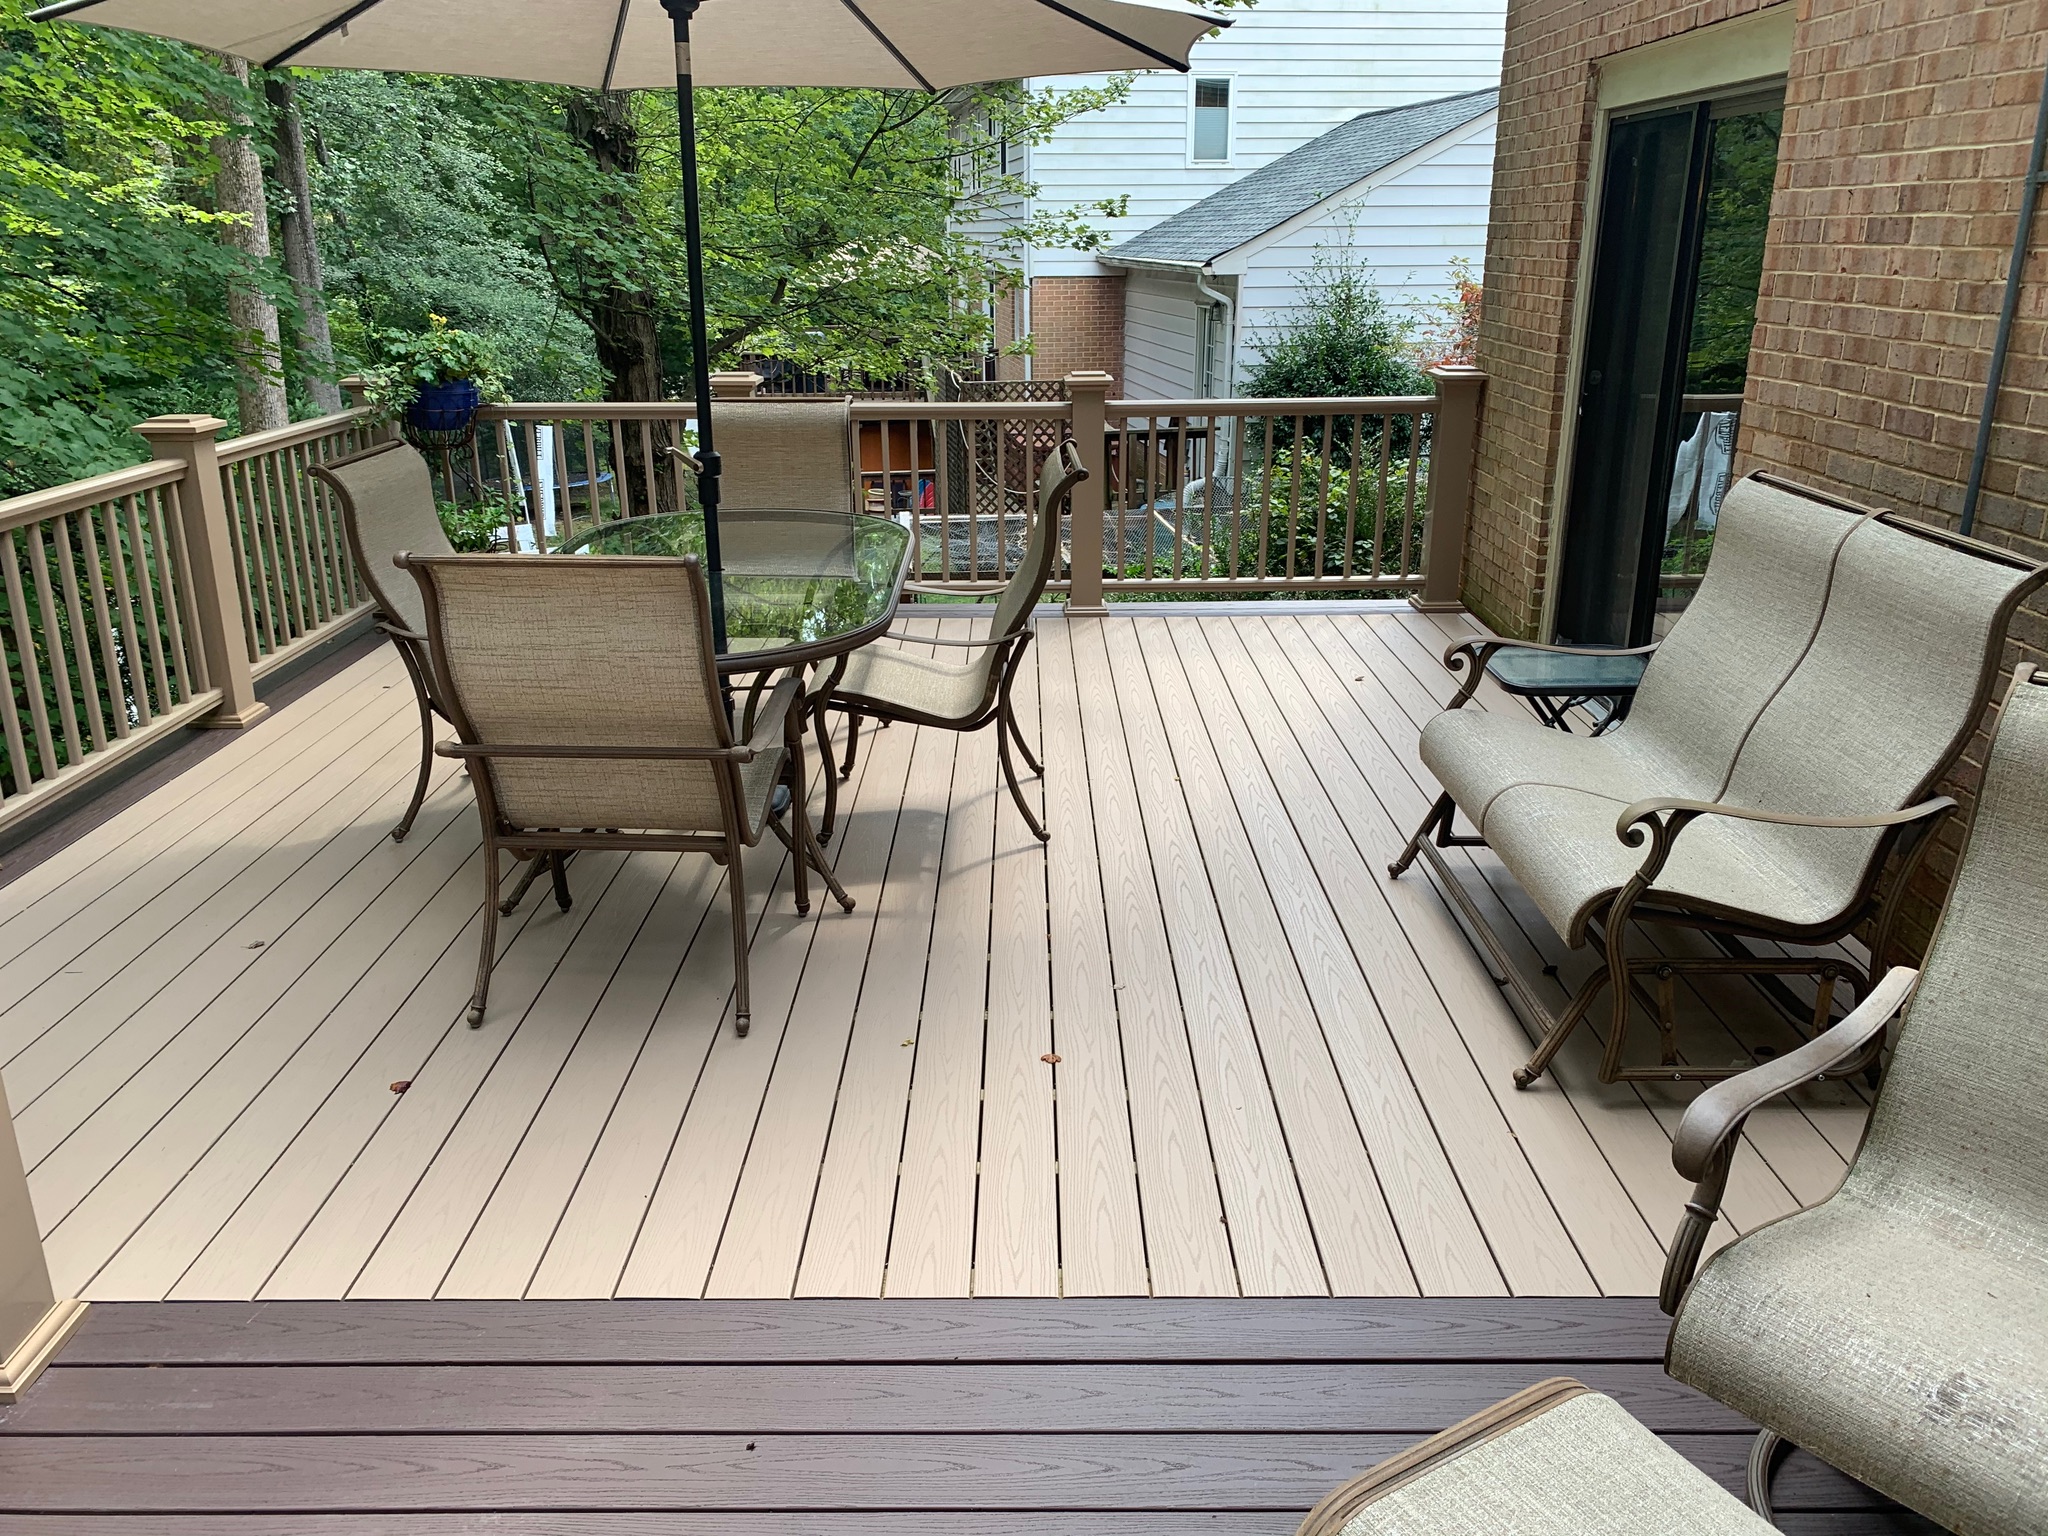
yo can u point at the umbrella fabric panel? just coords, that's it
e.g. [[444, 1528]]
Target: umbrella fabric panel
[[628, 44]]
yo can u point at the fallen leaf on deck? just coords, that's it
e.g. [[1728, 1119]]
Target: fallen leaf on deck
[[1050, 1058], [401, 1085]]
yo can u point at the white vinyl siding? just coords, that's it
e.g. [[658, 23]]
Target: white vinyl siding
[[1162, 337], [1297, 69], [1406, 230]]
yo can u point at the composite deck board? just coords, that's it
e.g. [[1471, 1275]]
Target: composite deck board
[[806, 1418], [1201, 1046]]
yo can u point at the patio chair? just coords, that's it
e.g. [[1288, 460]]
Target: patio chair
[[1556, 1460], [1781, 750], [882, 682], [1899, 1329], [783, 455], [386, 495], [586, 702]]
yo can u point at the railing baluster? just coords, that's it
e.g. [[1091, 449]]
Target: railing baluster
[[238, 545], [1411, 555], [17, 748], [1180, 508], [103, 625], [130, 631], [81, 639], [1321, 557], [28, 652], [53, 640], [1351, 493], [188, 662], [147, 573], [647, 471]]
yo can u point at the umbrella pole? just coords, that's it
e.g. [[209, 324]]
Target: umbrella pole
[[680, 12]]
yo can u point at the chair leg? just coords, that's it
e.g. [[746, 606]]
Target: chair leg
[[1008, 721], [798, 849], [482, 994], [736, 889], [1016, 789], [558, 866], [809, 849], [823, 731], [1765, 1452], [1561, 1031], [529, 872], [852, 741], [419, 788], [1444, 808]]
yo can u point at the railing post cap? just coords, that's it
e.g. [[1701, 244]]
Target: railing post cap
[[735, 386], [179, 428], [1456, 373], [1089, 378]]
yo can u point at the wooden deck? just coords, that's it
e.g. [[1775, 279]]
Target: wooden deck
[[1200, 1046], [794, 1418]]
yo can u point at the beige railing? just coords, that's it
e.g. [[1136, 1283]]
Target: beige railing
[[150, 599], [1189, 498]]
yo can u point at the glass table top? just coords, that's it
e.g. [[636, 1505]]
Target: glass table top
[[1578, 672], [794, 581]]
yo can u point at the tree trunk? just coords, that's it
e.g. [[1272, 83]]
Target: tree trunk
[[621, 314], [302, 249], [259, 362]]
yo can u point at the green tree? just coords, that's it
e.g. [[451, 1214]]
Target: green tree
[[113, 277]]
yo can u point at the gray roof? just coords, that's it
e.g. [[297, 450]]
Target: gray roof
[[1297, 181]]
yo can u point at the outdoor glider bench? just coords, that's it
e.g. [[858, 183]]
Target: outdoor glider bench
[[1898, 1329], [1779, 758]]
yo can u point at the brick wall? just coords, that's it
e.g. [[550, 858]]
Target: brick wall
[[1077, 323], [1906, 132]]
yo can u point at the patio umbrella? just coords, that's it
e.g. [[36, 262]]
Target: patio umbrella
[[927, 45]]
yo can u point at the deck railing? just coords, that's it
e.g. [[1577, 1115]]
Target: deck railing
[[1189, 498], [150, 599]]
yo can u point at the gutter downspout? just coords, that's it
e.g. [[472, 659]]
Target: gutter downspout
[[1230, 324], [2030, 199]]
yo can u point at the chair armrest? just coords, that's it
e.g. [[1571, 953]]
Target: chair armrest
[[771, 720], [1661, 819], [1706, 1140], [557, 750], [972, 645], [1717, 1114], [1471, 656]]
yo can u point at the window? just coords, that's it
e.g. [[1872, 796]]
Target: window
[[1211, 137]]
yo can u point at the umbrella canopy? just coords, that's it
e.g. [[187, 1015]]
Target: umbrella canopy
[[628, 44], [927, 45]]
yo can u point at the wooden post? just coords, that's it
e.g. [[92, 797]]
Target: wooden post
[[1452, 442], [216, 596], [355, 391], [1088, 398], [33, 1323], [734, 386]]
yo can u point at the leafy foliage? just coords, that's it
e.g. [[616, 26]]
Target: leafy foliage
[[441, 354], [1741, 170], [112, 274]]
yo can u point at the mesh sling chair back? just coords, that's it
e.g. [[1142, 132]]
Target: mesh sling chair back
[[1899, 1329], [785, 455], [386, 496], [1783, 746], [884, 682], [585, 698]]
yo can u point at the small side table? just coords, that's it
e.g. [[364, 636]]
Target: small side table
[[1555, 683]]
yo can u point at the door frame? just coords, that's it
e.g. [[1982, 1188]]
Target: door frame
[[1745, 52]]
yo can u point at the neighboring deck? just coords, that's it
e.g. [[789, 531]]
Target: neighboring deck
[[983, 1418], [1200, 1046]]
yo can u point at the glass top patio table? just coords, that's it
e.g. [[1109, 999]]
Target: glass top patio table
[[799, 586], [1557, 682]]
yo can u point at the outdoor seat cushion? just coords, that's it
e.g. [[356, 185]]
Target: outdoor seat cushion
[[1562, 847], [1479, 754], [1557, 1460], [1912, 1354], [892, 679]]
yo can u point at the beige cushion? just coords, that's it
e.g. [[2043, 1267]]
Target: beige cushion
[[1900, 1329], [582, 651], [890, 680], [387, 509], [1582, 1468], [1830, 666], [784, 455]]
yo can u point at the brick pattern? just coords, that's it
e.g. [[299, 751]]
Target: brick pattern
[[1077, 323], [1906, 134]]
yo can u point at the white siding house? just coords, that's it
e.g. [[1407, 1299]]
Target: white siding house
[[1402, 192], [1290, 71]]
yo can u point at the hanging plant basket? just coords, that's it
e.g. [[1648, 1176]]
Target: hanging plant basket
[[442, 416]]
